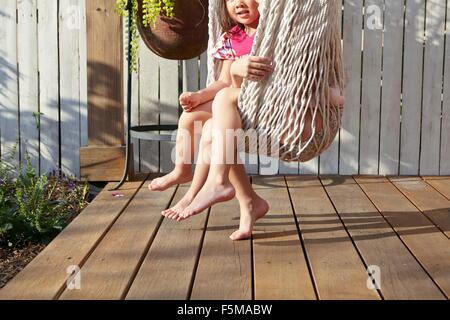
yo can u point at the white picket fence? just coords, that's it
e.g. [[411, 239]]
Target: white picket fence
[[396, 120]]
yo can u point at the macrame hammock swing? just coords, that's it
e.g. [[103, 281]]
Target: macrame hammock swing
[[303, 37]]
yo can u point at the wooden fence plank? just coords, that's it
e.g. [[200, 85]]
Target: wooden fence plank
[[169, 108], [349, 133], [83, 73], [69, 87], [280, 266], [329, 160], [309, 167], [9, 90], [203, 70], [371, 87], [105, 91], [445, 130], [191, 75], [391, 93], [425, 241], [28, 80], [335, 264], [109, 270], [412, 87], [401, 275], [191, 80], [46, 275], [168, 267], [288, 167], [49, 84], [432, 87], [135, 98], [149, 108]]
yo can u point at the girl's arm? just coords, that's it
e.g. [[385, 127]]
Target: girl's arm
[[224, 81], [190, 100], [236, 81], [250, 67]]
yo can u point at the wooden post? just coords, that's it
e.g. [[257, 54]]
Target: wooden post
[[104, 157]]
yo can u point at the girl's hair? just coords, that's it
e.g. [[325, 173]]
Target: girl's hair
[[226, 23]]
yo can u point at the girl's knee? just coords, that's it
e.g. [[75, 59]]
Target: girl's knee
[[226, 96], [187, 119], [223, 93]]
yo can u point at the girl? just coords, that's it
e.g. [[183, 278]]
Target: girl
[[197, 105], [239, 19], [217, 187]]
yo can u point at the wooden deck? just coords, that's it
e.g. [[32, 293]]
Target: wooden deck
[[317, 241]]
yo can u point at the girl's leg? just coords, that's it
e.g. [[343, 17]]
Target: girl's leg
[[200, 174], [218, 187], [252, 206], [185, 145], [336, 98]]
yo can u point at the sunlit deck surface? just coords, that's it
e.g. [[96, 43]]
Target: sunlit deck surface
[[318, 240]]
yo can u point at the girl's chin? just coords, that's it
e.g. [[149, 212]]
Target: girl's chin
[[247, 19]]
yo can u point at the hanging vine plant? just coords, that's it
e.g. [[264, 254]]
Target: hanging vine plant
[[172, 29], [151, 9]]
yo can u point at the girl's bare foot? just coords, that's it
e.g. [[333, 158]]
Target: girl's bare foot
[[173, 212], [210, 194], [250, 213], [174, 177]]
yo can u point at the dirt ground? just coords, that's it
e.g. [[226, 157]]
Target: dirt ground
[[12, 261]]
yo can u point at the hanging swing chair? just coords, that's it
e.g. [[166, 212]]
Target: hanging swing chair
[[303, 38], [183, 37]]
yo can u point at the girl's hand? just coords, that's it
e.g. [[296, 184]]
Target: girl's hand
[[252, 67], [190, 100]]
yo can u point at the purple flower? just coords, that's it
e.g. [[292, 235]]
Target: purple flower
[[72, 185]]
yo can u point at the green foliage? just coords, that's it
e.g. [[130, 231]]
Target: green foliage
[[151, 9], [36, 208]]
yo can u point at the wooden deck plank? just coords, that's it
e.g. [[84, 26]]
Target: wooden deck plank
[[401, 275], [225, 267], [46, 275], [404, 178], [434, 205], [441, 185], [109, 269], [369, 178], [168, 267], [280, 267], [337, 269], [426, 242], [426, 178]]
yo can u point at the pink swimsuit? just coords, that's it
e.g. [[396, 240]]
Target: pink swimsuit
[[233, 44]]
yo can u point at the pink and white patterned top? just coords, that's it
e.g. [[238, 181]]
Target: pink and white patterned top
[[233, 44]]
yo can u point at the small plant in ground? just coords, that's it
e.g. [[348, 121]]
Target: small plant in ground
[[35, 208]]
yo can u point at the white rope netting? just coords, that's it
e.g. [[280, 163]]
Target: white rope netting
[[304, 40]]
